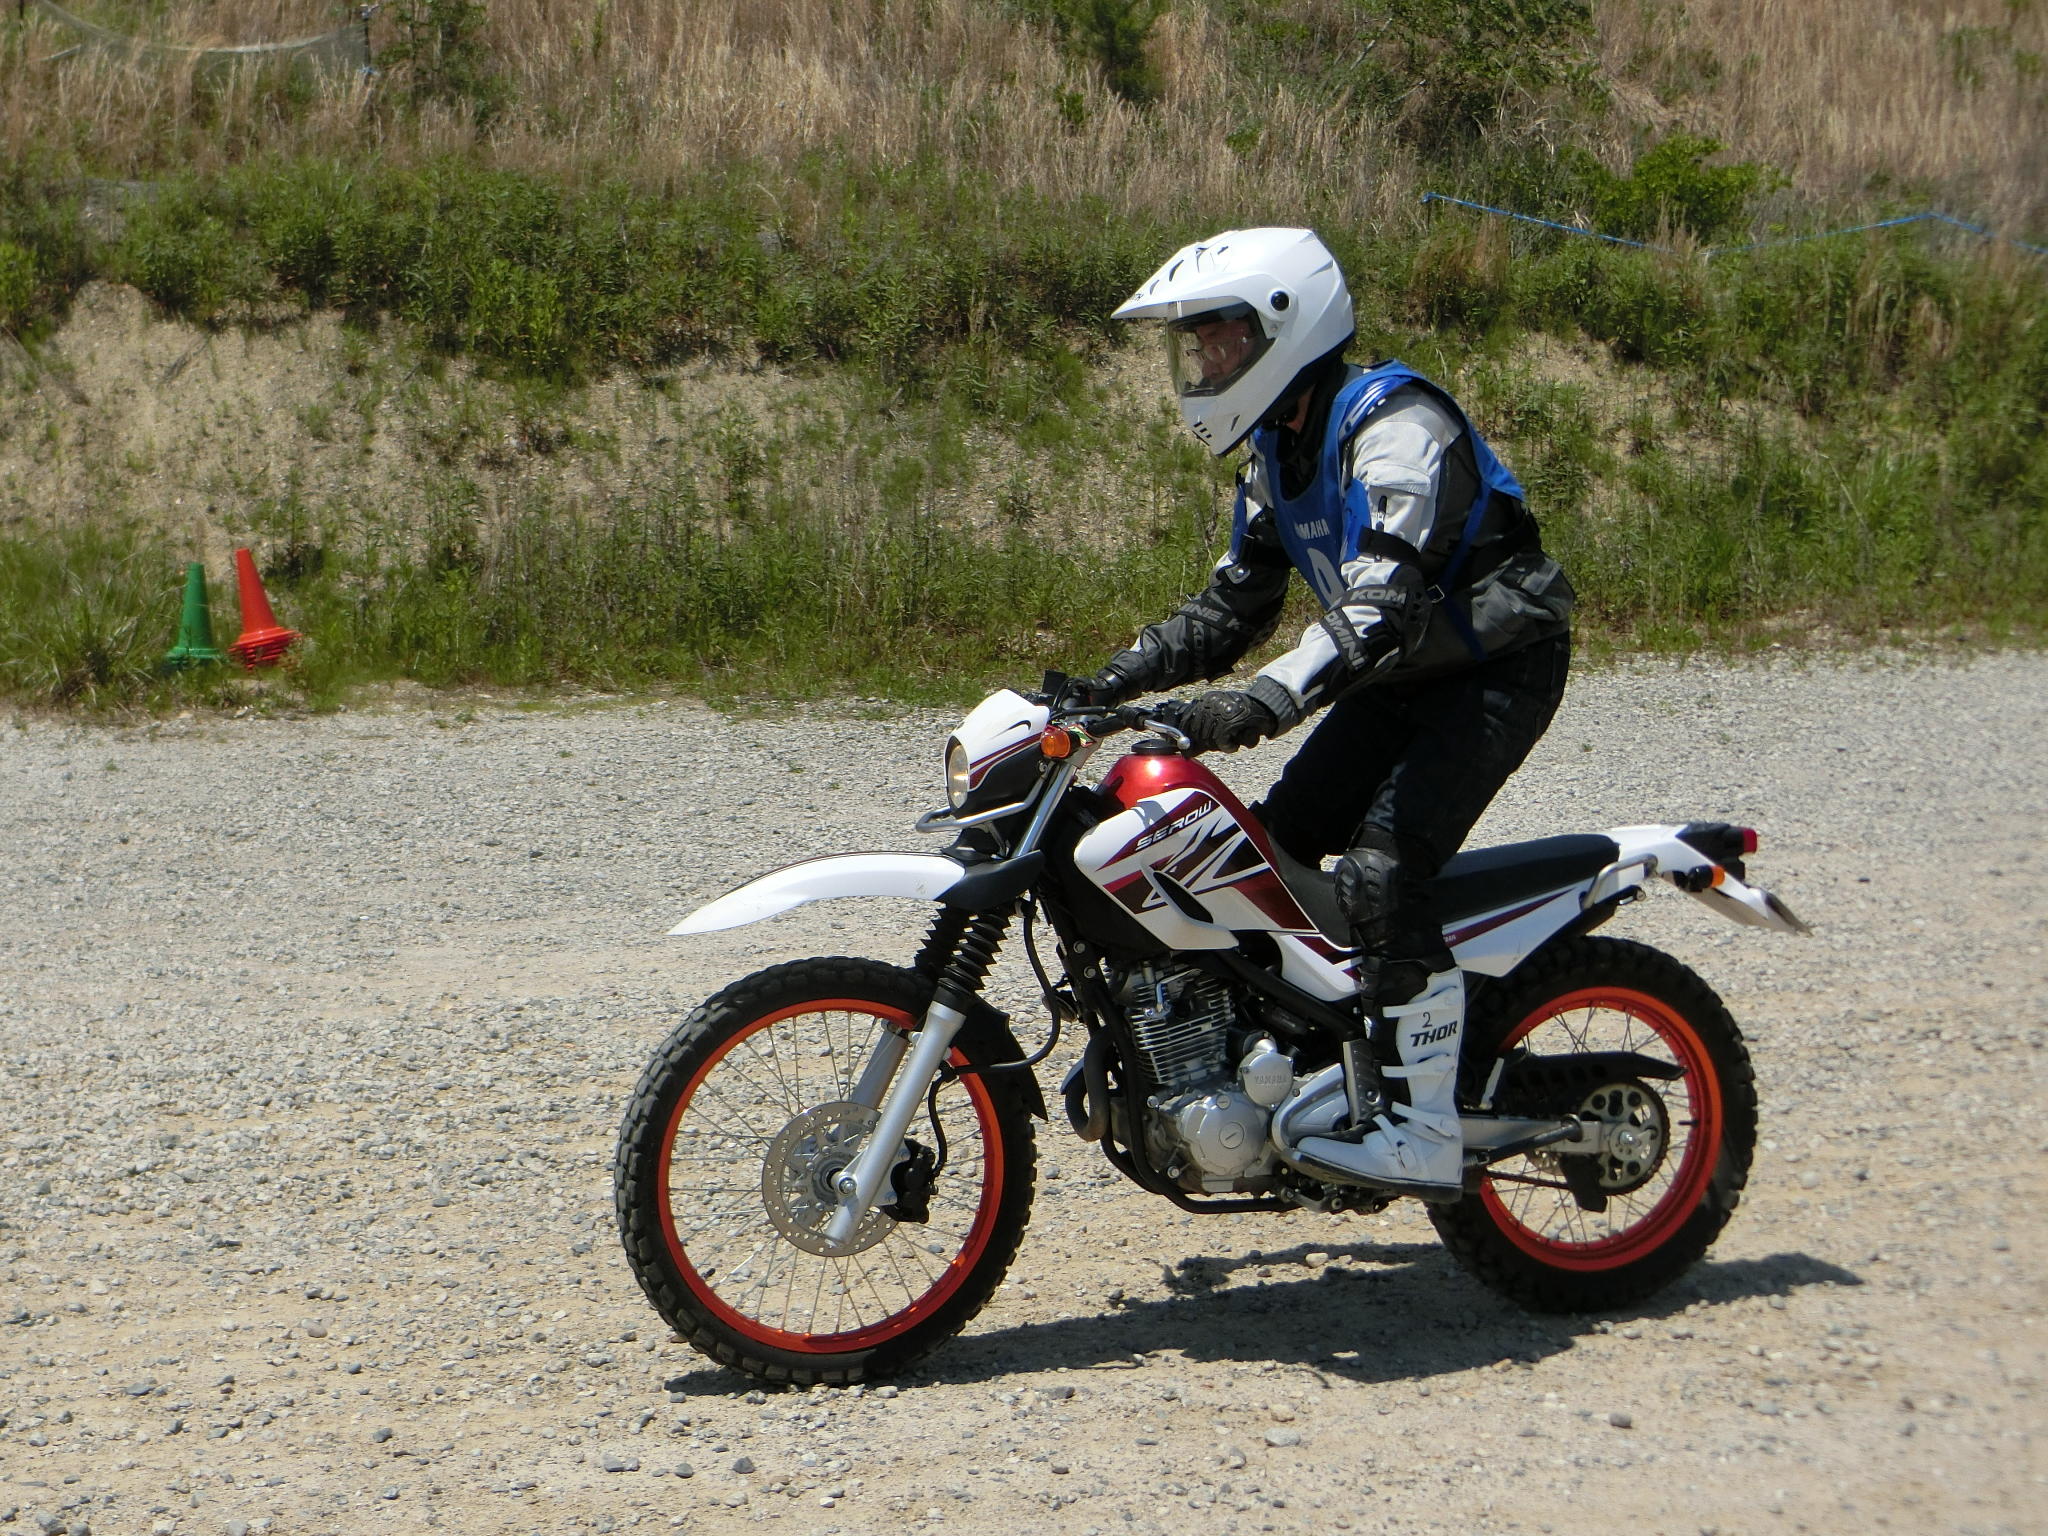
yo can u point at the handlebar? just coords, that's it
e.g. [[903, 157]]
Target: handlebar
[[1099, 722]]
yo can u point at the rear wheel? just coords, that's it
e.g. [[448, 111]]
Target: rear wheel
[[1568, 1233], [726, 1157]]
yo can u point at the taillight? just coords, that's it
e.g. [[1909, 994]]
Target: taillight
[[1748, 839]]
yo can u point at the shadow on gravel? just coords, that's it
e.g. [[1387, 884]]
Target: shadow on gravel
[[1399, 1311], [1396, 1312]]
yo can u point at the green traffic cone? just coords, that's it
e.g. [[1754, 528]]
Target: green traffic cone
[[195, 647]]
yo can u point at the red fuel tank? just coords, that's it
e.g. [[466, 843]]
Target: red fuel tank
[[1201, 858]]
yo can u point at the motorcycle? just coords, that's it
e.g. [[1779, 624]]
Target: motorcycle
[[827, 1167]]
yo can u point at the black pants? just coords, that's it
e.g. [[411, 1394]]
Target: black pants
[[1419, 761]]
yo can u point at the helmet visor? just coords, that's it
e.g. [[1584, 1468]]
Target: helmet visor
[[1207, 353]]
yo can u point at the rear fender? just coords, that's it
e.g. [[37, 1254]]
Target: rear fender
[[1659, 850]]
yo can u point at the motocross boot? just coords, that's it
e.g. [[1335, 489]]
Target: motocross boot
[[1418, 1145]]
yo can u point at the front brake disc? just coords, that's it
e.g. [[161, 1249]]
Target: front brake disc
[[797, 1176]]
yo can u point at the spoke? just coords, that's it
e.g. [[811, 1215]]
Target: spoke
[[737, 1110], [881, 1301], [832, 1054], [917, 1254], [770, 1064], [897, 1269], [847, 1298], [838, 1303], [860, 1049], [712, 1189], [790, 1097], [734, 1269], [789, 1291], [741, 1062], [726, 1135], [766, 1278], [817, 1294], [1636, 1209]]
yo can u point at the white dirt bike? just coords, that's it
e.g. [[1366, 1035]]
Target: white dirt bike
[[827, 1167]]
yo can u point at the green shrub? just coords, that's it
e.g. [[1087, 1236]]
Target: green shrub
[[1460, 276], [19, 286], [1109, 34], [1649, 308], [185, 250], [85, 613], [1671, 186], [44, 252], [539, 279], [439, 54], [1451, 67]]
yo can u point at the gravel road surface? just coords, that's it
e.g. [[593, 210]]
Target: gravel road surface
[[314, 1036]]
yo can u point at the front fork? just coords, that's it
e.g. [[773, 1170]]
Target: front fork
[[899, 1072]]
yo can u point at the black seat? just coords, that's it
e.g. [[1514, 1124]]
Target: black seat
[[1487, 878], [1469, 884]]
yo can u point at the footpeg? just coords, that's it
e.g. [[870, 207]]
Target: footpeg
[[1398, 1157]]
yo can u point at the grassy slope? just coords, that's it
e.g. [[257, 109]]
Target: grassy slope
[[928, 209]]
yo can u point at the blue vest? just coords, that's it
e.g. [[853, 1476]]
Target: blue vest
[[1323, 527]]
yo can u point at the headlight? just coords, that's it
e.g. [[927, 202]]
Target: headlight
[[956, 774]]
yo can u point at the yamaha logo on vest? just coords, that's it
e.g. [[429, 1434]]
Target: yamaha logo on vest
[[1319, 529]]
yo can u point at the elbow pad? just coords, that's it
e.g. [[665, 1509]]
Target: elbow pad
[[1377, 622]]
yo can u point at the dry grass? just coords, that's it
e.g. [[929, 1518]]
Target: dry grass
[[1948, 105], [1946, 101], [658, 90]]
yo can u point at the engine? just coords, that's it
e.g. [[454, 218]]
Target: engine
[[1211, 1083]]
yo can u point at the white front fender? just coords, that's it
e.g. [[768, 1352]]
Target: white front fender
[[924, 876]]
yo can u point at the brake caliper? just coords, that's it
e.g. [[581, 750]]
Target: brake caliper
[[913, 1178]]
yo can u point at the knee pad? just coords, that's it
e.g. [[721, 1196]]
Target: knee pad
[[1368, 880]]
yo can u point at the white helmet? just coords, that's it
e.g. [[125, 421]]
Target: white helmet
[[1246, 311]]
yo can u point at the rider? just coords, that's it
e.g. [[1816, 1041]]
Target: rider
[[1440, 652]]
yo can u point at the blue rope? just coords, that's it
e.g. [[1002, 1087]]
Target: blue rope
[[1530, 218], [1735, 250]]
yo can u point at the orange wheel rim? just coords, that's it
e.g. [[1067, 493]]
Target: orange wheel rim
[[923, 1286], [1544, 1221]]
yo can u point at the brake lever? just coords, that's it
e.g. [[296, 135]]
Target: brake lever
[[1129, 717], [1179, 738]]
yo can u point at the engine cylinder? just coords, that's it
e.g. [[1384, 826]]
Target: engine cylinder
[[1180, 1022]]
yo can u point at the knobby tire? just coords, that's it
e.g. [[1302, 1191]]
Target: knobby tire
[[1565, 1260], [987, 1182]]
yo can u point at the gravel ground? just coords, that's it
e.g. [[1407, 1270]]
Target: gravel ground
[[315, 1034]]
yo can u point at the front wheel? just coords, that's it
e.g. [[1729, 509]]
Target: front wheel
[[723, 1178], [1575, 1233]]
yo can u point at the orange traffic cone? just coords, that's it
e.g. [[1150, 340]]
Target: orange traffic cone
[[263, 640]]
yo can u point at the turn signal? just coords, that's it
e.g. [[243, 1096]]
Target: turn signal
[[1719, 875], [1056, 741]]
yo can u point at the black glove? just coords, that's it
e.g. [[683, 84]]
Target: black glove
[[1104, 690], [1224, 720]]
